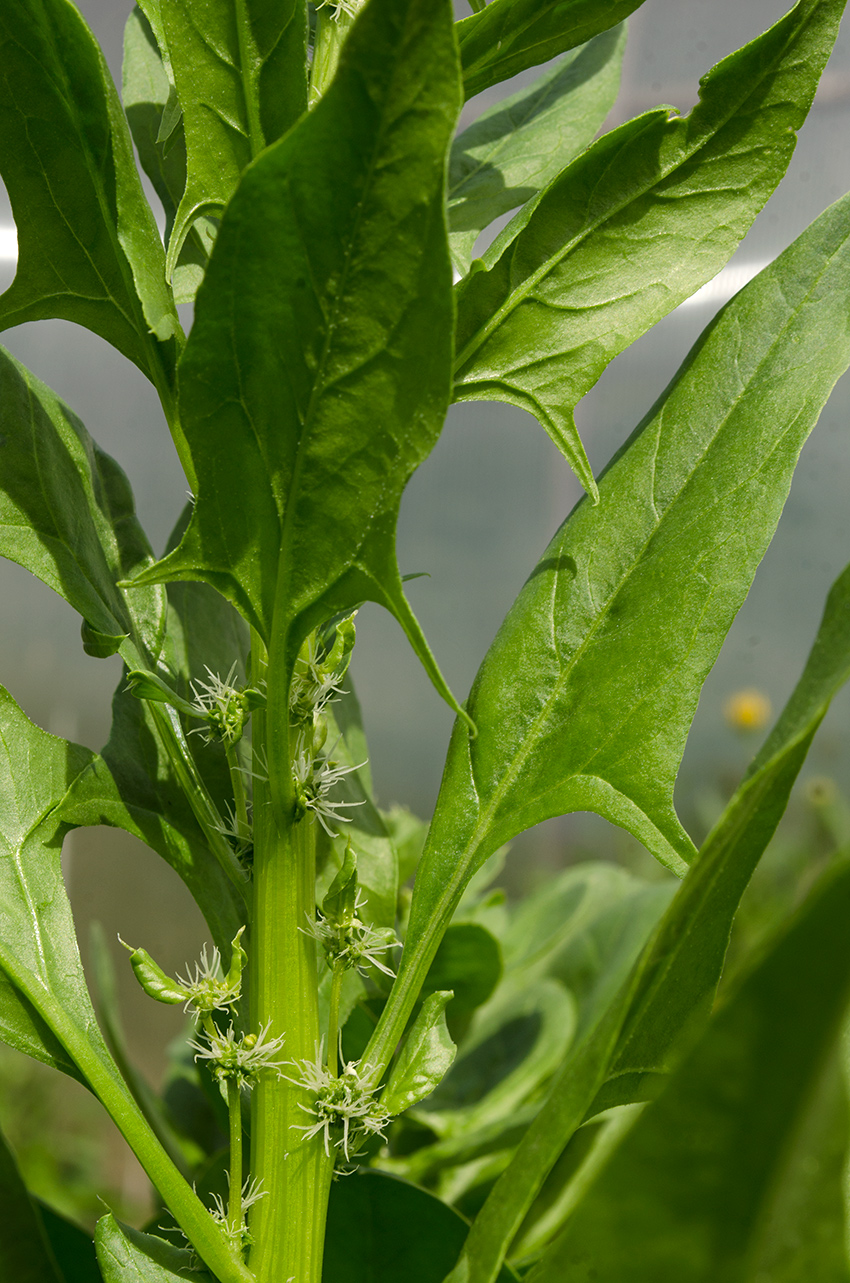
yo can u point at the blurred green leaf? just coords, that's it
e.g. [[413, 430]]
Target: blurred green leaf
[[88, 247], [126, 1255], [632, 228], [25, 1252], [349, 367], [424, 1057], [240, 69], [521, 143], [67, 512], [736, 1171], [508, 36], [382, 1230], [683, 967], [469, 962], [72, 1246]]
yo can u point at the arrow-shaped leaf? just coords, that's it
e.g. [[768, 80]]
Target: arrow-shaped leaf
[[585, 698], [632, 228], [317, 374]]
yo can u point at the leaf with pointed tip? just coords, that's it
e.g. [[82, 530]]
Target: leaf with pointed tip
[[126, 1255], [25, 1254], [632, 228], [88, 247], [424, 1058], [684, 965], [736, 1171], [587, 693], [519, 145], [317, 375], [67, 513], [239, 67], [508, 36]]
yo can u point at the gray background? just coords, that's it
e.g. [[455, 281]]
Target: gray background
[[476, 517]]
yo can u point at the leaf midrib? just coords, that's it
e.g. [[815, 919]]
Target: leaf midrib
[[519, 295]]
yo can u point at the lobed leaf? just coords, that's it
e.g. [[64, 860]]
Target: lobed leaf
[[736, 1171], [240, 71], [632, 228], [521, 143], [586, 695], [88, 247], [317, 374], [683, 966], [508, 36]]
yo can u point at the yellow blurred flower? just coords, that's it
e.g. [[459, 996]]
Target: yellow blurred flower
[[747, 710]]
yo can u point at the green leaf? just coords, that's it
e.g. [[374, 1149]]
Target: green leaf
[[521, 143], [72, 1246], [67, 514], [469, 963], [38, 930], [508, 36], [736, 1171], [25, 1252], [382, 1230], [425, 1056], [88, 247], [149, 99], [301, 467], [684, 965], [39, 953], [586, 695], [126, 1255], [240, 69], [634, 226]]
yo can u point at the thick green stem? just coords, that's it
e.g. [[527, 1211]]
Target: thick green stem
[[234, 1203], [288, 1224]]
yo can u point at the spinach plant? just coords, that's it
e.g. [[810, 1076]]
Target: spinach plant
[[540, 1088]]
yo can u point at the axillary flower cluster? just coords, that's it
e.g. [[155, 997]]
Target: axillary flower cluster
[[235, 1059]]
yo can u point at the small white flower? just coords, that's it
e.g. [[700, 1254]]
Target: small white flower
[[209, 991], [241, 1237], [344, 1111], [315, 777], [239, 1058], [222, 705]]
